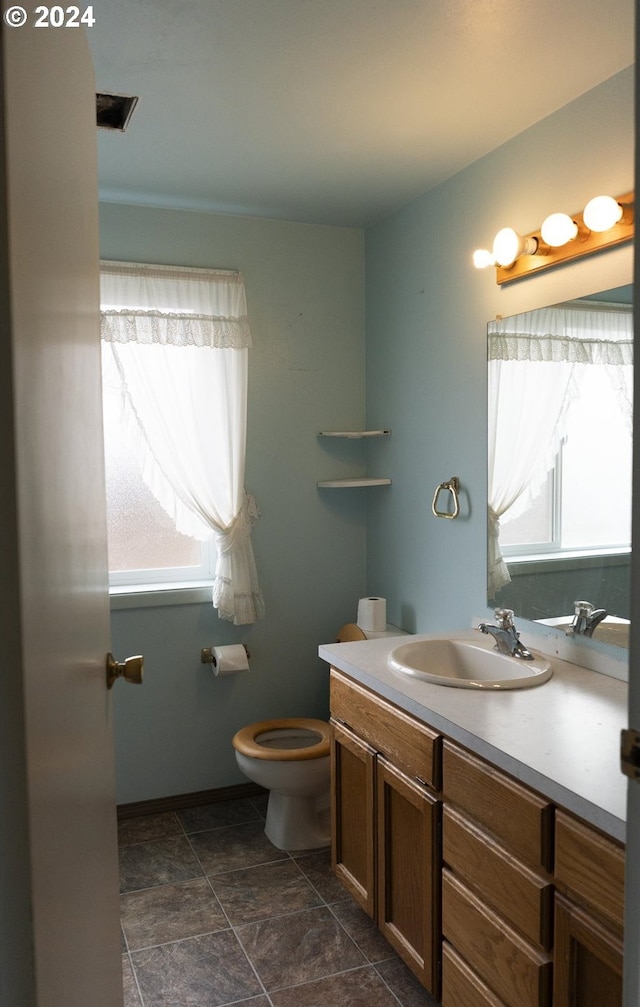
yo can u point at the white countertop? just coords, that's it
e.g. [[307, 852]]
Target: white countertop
[[561, 738]]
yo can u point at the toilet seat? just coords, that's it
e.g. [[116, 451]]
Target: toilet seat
[[244, 741]]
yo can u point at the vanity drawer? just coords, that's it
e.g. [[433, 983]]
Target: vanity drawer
[[407, 743], [513, 890], [515, 815], [461, 987], [591, 867], [513, 969]]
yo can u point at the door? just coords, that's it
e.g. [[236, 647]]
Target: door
[[59, 920], [409, 860], [631, 988], [588, 960], [352, 815]]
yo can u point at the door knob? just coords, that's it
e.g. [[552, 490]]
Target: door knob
[[129, 669]]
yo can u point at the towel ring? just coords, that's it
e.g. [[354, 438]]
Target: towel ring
[[452, 486]]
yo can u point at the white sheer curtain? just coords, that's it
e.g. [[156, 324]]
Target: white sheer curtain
[[180, 338], [534, 361]]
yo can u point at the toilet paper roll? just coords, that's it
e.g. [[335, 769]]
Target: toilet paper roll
[[372, 615], [230, 659]]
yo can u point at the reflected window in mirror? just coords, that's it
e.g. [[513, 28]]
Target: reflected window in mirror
[[560, 447], [585, 501]]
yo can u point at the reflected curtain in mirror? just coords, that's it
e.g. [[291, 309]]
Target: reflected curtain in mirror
[[537, 361]]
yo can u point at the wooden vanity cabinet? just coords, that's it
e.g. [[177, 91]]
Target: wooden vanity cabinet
[[589, 913], [493, 896], [385, 821], [497, 892]]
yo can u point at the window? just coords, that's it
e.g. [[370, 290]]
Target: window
[[144, 546], [175, 352]]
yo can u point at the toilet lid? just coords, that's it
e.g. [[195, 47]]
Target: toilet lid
[[245, 740], [349, 633]]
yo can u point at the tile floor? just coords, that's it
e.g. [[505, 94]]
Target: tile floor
[[213, 914]]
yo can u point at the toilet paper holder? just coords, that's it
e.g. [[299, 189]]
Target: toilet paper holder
[[206, 654], [453, 487]]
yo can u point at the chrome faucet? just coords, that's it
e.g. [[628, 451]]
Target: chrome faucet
[[506, 636], [585, 619]]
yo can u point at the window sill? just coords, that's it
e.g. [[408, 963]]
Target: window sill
[[555, 561], [156, 595]]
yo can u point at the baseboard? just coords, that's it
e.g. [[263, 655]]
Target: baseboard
[[179, 801]]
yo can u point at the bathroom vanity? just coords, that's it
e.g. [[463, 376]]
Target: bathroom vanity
[[484, 831]]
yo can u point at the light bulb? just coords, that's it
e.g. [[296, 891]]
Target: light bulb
[[482, 258], [508, 245], [558, 229], [602, 213]]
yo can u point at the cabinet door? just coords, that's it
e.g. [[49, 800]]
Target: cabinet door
[[353, 815], [408, 862], [588, 960]]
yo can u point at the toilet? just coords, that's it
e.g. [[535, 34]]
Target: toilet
[[290, 758]]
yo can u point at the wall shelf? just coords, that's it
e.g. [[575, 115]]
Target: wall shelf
[[356, 481], [334, 484], [354, 434]]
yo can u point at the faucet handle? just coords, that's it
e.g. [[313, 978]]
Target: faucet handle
[[504, 618], [583, 608]]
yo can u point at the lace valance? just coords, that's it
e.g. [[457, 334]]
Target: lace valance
[[173, 306], [582, 333]]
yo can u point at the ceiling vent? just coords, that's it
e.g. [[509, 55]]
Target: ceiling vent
[[113, 111]]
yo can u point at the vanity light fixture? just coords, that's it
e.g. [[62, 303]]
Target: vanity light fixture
[[508, 246], [482, 258], [603, 223], [558, 229], [604, 212]]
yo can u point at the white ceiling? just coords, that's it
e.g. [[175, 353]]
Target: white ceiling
[[334, 111]]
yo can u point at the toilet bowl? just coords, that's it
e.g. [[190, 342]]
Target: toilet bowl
[[290, 758]]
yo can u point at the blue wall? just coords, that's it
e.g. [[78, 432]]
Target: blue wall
[[427, 310], [305, 297], [425, 370]]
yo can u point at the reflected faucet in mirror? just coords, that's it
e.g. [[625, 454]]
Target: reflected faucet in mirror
[[585, 619]]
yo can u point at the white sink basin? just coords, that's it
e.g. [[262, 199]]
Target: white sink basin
[[467, 664]]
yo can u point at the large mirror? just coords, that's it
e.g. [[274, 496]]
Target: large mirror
[[559, 457]]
